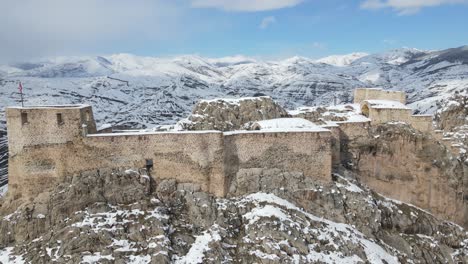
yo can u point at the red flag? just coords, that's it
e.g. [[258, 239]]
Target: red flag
[[20, 87]]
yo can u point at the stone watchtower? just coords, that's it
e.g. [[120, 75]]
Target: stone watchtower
[[37, 136]]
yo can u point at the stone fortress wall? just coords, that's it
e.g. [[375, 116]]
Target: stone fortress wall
[[389, 106], [287, 151], [32, 126], [362, 94], [422, 123], [49, 143], [60, 141]]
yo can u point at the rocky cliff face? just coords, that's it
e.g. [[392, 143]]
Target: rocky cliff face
[[453, 113], [124, 216], [232, 114], [399, 161]]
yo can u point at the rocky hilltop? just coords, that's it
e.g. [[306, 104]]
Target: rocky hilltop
[[125, 217], [232, 114]]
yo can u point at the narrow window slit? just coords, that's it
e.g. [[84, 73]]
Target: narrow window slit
[[59, 119], [24, 118]]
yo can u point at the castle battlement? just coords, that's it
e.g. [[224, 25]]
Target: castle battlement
[[382, 106], [48, 143], [47, 125], [362, 94]]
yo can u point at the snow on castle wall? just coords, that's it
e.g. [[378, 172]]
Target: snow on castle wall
[[39, 160], [381, 111]]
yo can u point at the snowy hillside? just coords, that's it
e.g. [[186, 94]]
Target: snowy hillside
[[133, 91], [342, 60]]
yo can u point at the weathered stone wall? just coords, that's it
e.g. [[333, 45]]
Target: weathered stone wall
[[40, 160], [42, 126], [37, 168], [379, 116], [422, 123], [186, 157], [335, 144], [350, 132], [362, 94], [203, 158], [305, 152]]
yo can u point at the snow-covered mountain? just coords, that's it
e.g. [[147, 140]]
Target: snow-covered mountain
[[342, 60], [133, 91]]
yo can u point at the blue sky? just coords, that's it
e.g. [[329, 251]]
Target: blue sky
[[260, 28]]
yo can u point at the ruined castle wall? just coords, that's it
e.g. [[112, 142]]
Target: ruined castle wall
[[362, 94], [305, 152], [203, 158], [186, 157], [46, 149], [422, 123], [351, 132], [37, 168], [42, 127], [384, 115], [335, 144]]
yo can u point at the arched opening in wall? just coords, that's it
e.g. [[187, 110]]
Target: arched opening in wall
[[365, 110]]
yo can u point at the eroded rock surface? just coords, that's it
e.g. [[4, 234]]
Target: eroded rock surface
[[232, 114], [124, 217], [401, 162]]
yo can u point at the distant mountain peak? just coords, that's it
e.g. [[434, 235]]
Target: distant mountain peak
[[231, 60], [342, 60]]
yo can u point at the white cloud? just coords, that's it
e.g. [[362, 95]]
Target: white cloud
[[407, 7], [267, 21], [245, 5], [31, 28], [390, 42], [319, 45]]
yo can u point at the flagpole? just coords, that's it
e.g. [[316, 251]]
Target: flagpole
[[20, 87], [22, 104]]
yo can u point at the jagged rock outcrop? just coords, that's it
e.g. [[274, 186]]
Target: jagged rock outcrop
[[124, 216], [453, 114], [232, 114], [322, 114], [396, 160], [452, 120]]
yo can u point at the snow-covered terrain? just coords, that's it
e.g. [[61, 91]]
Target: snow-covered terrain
[[132, 91], [291, 220], [342, 60]]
